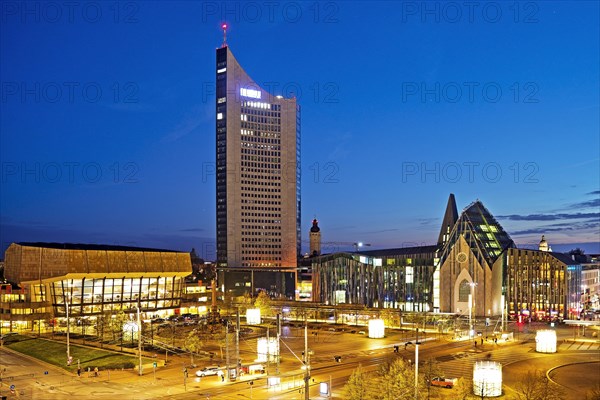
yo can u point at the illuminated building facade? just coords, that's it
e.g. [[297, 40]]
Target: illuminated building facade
[[466, 264], [590, 289], [393, 278], [475, 269], [91, 279], [257, 176], [541, 284]]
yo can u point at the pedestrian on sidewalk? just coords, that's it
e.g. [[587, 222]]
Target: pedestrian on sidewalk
[[79, 371], [96, 371]]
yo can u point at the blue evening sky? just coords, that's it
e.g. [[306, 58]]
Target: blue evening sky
[[107, 117]]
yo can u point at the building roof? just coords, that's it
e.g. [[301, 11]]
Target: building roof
[[26, 262], [564, 258], [489, 235], [400, 251], [85, 246]]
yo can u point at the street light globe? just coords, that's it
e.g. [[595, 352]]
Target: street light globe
[[267, 349], [545, 341], [487, 379], [253, 316], [376, 328]]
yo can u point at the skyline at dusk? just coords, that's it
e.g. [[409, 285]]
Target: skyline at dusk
[[108, 130]]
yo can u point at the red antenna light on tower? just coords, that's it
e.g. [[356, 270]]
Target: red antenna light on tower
[[224, 27]]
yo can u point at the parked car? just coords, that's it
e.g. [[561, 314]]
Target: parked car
[[210, 370], [446, 383]]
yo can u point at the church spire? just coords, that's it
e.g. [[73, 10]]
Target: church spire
[[450, 218]]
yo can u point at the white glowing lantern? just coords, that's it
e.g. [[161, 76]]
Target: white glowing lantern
[[130, 331], [376, 328], [267, 349], [273, 381], [545, 341], [487, 379], [253, 316]]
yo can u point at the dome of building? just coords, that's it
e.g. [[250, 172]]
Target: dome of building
[[315, 226], [544, 244]]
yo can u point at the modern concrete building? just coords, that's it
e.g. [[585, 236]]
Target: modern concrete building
[[257, 178], [90, 279]]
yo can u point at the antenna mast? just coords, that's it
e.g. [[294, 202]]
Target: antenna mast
[[224, 26]]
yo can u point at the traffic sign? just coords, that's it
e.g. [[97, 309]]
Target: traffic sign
[[12, 387], [154, 365]]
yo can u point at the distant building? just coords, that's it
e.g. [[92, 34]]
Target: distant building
[[590, 289], [540, 284], [91, 279], [257, 182], [315, 239]]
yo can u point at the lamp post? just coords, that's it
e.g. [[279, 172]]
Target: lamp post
[[417, 367], [306, 365], [471, 308], [416, 395], [358, 245], [139, 332], [68, 331]]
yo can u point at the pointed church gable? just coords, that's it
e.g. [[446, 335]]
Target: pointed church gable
[[485, 236]]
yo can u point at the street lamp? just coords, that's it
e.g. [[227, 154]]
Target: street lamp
[[471, 307], [416, 364], [357, 245], [68, 331]]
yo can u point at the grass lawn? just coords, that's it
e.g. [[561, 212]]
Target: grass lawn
[[56, 353]]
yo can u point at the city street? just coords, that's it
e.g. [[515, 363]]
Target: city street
[[36, 380]]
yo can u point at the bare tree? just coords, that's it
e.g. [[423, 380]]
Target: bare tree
[[431, 370], [535, 385]]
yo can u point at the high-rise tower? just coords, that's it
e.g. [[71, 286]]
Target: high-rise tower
[[258, 172]]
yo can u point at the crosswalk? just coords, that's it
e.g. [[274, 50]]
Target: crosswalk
[[461, 363], [579, 346]]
